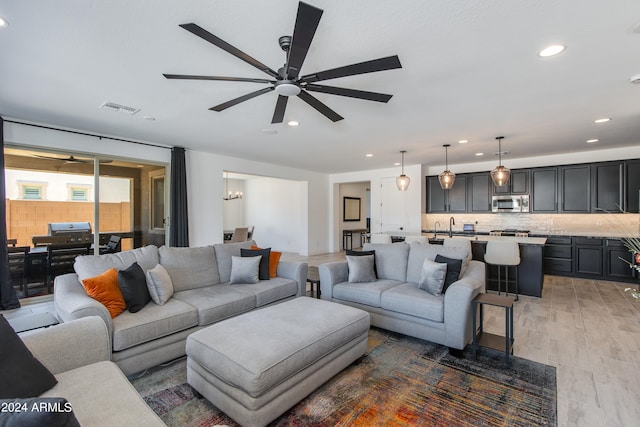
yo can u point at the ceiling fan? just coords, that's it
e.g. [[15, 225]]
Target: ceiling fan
[[286, 81], [71, 159]]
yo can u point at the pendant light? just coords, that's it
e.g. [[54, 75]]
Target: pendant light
[[500, 174], [446, 178], [403, 180]]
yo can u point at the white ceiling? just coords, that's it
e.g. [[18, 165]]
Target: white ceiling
[[470, 71]]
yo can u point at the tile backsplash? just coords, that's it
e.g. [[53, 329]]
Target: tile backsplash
[[598, 225]]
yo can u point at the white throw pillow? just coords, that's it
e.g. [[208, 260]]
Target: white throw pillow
[[432, 276], [361, 268], [244, 270], [159, 284]]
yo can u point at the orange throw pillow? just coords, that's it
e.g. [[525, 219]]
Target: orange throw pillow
[[274, 259], [104, 289]]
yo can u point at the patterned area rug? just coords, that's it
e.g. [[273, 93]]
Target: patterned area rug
[[401, 381]]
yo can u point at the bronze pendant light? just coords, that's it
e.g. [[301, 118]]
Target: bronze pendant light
[[446, 178], [500, 174], [403, 180]]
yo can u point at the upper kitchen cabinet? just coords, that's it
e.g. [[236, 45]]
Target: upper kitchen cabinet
[[632, 185], [518, 183], [575, 189], [479, 192], [607, 181], [544, 190], [452, 200]]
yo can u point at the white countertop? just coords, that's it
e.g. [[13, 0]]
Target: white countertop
[[523, 240]]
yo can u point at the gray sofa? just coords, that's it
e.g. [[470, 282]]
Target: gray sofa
[[395, 301], [77, 354], [202, 296]]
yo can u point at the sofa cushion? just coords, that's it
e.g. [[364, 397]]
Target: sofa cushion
[[245, 269], [268, 291], [190, 268], [453, 270], [363, 293], [159, 284], [218, 302], [361, 268], [21, 373], [101, 395], [154, 321], [133, 285], [391, 259], [90, 265], [264, 270], [224, 252], [407, 298], [432, 278], [419, 253], [104, 289]]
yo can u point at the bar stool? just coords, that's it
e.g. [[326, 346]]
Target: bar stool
[[503, 253]]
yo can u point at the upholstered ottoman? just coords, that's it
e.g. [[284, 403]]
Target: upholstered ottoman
[[257, 365]]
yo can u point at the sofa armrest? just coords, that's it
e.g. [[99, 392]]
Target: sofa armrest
[[457, 305], [331, 274], [70, 345], [72, 302], [297, 271]]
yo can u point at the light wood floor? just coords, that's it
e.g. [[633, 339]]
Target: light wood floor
[[589, 330]]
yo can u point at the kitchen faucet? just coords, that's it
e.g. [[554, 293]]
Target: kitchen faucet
[[435, 229], [452, 222]]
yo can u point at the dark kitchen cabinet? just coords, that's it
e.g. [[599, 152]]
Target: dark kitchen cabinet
[[544, 190], [589, 259], [518, 183], [615, 266], [632, 185], [452, 200], [436, 198], [607, 186], [575, 189], [479, 192], [558, 255]]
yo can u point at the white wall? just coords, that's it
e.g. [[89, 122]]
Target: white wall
[[273, 207]]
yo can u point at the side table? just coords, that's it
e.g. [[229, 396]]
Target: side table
[[486, 339], [313, 278]]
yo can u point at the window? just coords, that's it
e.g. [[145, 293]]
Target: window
[[157, 202], [78, 194], [31, 190]]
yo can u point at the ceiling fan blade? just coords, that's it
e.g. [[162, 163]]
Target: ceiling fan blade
[[228, 79], [381, 64], [243, 98], [281, 106], [204, 34], [307, 22], [353, 93], [322, 108]]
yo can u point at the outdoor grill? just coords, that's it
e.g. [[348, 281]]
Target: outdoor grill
[[67, 228]]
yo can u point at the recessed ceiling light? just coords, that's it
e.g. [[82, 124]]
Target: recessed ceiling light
[[635, 79], [396, 164], [479, 154], [463, 141], [551, 50], [369, 155], [293, 123], [602, 120], [3, 22], [591, 141], [151, 119]]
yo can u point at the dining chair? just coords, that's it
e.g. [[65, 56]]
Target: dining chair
[[379, 238], [241, 234]]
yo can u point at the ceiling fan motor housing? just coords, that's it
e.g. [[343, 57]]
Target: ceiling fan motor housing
[[285, 42]]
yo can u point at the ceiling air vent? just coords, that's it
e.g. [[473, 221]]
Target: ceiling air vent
[[120, 108]]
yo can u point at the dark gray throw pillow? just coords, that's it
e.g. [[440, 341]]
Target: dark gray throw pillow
[[453, 270], [133, 284], [263, 270], [21, 374], [365, 253], [37, 412]]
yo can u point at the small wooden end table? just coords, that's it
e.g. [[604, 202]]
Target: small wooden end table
[[486, 339]]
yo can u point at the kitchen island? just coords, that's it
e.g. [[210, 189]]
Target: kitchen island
[[530, 271]]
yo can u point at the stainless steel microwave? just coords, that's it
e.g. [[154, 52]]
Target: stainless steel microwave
[[510, 204]]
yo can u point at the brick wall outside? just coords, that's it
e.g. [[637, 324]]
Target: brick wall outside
[[26, 218]]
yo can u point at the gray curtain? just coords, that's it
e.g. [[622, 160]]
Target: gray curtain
[[178, 223], [8, 297]]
